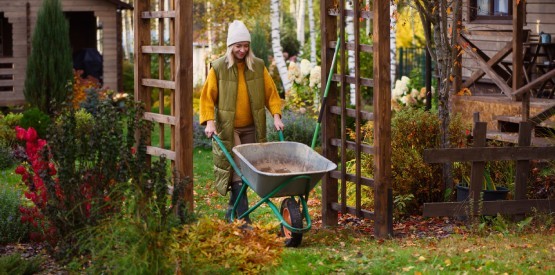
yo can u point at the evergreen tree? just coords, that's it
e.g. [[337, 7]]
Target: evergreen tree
[[49, 67]]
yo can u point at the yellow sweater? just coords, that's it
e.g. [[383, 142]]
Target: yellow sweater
[[243, 115]]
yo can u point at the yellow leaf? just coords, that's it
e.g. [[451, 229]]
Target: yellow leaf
[[449, 10], [447, 262], [421, 258]]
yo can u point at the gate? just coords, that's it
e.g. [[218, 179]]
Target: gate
[[335, 143]]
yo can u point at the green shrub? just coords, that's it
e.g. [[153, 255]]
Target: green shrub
[[298, 128], [136, 241], [412, 131], [6, 156], [16, 265], [213, 246], [37, 119], [11, 228], [7, 126], [49, 66]]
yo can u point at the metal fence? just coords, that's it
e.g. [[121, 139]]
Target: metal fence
[[411, 62]]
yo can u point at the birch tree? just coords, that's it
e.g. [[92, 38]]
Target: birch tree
[[300, 22], [312, 32], [350, 31], [276, 45], [393, 42]]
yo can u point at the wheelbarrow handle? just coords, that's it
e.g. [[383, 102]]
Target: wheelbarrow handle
[[280, 133], [227, 155]]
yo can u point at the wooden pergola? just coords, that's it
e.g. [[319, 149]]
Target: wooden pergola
[[179, 87]]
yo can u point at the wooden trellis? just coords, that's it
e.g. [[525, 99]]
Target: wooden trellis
[[335, 144], [478, 155], [176, 53]]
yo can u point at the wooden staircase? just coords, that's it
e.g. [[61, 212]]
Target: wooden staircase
[[543, 133]]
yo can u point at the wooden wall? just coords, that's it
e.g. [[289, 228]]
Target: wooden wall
[[490, 37], [23, 26]]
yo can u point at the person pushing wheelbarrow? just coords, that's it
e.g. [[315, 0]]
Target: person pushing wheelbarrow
[[233, 100]]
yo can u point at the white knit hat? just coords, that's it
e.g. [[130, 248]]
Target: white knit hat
[[237, 32]]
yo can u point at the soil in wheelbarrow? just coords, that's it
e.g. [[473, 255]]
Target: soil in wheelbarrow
[[282, 167]]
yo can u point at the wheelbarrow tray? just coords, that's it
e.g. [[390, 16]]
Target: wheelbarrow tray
[[267, 165]]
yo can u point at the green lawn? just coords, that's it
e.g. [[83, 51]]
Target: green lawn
[[495, 247]]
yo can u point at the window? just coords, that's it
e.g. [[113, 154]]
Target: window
[[491, 9]]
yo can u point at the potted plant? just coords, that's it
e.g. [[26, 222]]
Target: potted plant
[[490, 191]]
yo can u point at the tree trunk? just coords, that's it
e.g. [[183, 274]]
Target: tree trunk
[[300, 22], [350, 31], [393, 43], [276, 45], [312, 31]]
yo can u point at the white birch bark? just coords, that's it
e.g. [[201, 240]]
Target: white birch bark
[[292, 7], [128, 35], [276, 45], [349, 30], [300, 22], [312, 31], [393, 43]]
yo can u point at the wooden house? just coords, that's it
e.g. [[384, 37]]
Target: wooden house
[[93, 24], [508, 63]]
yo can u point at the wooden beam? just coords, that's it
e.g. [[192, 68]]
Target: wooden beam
[[157, 14], [351, 80], [477, 55], [170, 120], [158, 83], [488, 154], [479, 73], [159, 49], [157, 151], [352, 146], [535, 83], [506, 207], [352, 113], [351, 46], [352, 178], [365, 213]]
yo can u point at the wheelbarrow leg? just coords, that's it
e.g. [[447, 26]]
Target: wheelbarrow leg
[[243, 204]]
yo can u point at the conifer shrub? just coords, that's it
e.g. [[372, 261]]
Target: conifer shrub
[[49, 67]]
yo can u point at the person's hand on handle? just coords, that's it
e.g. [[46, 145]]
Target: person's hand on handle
[[210, 128], [278, 123]]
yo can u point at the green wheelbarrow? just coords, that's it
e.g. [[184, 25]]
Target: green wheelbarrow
[[279, 169]]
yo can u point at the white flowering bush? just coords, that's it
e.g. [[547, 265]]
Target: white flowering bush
[[404, 94], [304, 96]]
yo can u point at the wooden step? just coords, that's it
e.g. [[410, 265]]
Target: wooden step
[[513, 138], [516, 120]]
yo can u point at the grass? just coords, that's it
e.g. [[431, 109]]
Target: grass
[[347, 252], [511, 249]]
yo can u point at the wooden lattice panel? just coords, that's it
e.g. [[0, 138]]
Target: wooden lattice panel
[[173, 54]]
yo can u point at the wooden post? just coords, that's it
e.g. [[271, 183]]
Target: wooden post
[[478, 167], [330, 191], [382, 118], [142, 37], [184, 95], [523, 166]]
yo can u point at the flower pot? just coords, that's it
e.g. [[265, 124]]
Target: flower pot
[[488, 195]]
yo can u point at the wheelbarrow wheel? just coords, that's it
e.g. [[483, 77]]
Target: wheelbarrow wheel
[[291, 212]]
